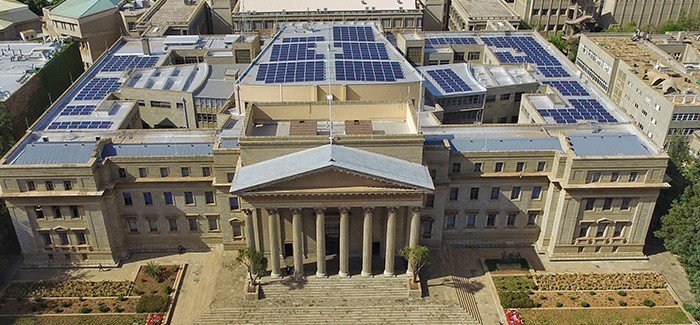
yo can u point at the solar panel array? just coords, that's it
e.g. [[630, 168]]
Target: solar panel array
[[532, 50], [78, 110], [81, 125], [295, 52], [553, 72], [568, 88], [584, 109], [303, 39], [362, 51], [432, 41], [353, 34], [368, 70], [291, 72], [97, 88], [449, 81], [125, 62]]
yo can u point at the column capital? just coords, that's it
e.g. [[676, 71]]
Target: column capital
[[247, 212], [271, 211], [368, 209], [392, 209], [416, 209], [296, 211], [344, 210], [320, 210]]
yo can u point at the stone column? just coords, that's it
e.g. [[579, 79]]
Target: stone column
[[249, 231], [344, 242], [390, 241], [274, 243], [320, 242], [414, 235], [367, 243], [298, 242]]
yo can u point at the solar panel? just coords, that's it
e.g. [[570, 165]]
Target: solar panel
[[78, 110], [449, 81], [432, 41], [295, 52], [97, 88], [291, 72], [527, 49], [81, 125], [362, 51], [346, 70], [553, 72], [582, 109], [569, 88], [303, 39], [125, 62], [353, 33]]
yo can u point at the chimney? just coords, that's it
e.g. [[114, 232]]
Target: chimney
[[146, 45]]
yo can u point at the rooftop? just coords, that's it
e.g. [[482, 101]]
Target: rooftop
[[82, 8], [171, 12], [479, 9], [322, 5], [19, 61], [12, 12]]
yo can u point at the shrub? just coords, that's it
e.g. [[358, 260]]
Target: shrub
[[622, 303], [41, 304], [85, 310], [152, 304], [622, 293], [516, 299], [592, 293], [585, 304], [167, 290], [543, 297], [656, 292], [649, 303], [693, 310], [559, 304], [608, 298], [154, 270], [103, 308], [118, 309], [573, 297], [121, 298], [81, 299], [57, 310], [66, 304], [160, 279], [538, 305]]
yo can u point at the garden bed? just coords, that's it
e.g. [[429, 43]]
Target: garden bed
[[632, 298], [148, 284], [67, 306], [67, 289], [617, 316], [87, 319], [600, 281]]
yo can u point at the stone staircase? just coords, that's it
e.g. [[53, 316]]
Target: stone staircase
[[466, 297], [377, 288]]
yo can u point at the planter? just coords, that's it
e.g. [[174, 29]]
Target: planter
[[414, 289], [251, 292]]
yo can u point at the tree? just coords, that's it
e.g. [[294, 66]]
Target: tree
[[154, 270], [417, 258], [37, 5], [627, 28], [254, 261]]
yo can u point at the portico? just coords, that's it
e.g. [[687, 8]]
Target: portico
[[341, 207]]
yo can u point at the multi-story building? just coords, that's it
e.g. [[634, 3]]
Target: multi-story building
[[435, 14], [185, 17], [653, 82], [481, 15], [646, 13], [327, 151], [17, 21], [253, 15], [554, 16]]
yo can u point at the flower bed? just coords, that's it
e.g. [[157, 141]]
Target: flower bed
[[593, 316], [600, 281], [603, 298], [148, 284], [67, 306], [67, 289], [73, 320]]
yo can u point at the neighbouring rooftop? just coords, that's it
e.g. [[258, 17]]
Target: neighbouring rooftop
[[485, 9], [83, 8], [281, 6], [20, 60]]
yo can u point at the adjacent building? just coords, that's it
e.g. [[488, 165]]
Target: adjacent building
[[303, 164], [17, 21], [653, 81], [646, 13], [185, 17], [476, 15]]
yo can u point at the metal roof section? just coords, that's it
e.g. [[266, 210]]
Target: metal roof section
[[346, 158], [157, 150], [83, 8], [20, 60], [607, 145], [507, 144], [269, 6], [51, 153]]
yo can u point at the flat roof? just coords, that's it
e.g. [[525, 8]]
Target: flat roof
[[607, 145], [170, 12], [20, 60], [451, 80], [477, 9], [322, 5], [54, 153]]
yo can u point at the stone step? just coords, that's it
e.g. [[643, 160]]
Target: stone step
[[337, 288]]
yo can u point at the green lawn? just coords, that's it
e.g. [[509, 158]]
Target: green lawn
[[617, 316], [514, 283], [75, 320]]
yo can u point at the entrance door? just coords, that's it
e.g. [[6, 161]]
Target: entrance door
[[332, 237]]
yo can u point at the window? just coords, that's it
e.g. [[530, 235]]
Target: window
[[510, 222], [233, 203], [614, 177], [495, 192], [74, 212], [213, 223], [229, 177], [499, 167], [426, 227], [143, 172], [450, 220], [607, 205], [63, 236], [515, 193], [600, 230], [133, 225], [192, 222], [172, 224], [618, 229], [189, 198], [67, 185], [454, 193], [429, 201], [474, 193], [168, 196], [491, 99], [47, 238], [477, 167], [520, 166], [49, 185], [532, 218], [634, 176], [57, 212], [164, 172], [590, 203], [471, 56], [122, 172], [206, 171], [456, 167], [536, 192], [31, 186], [541, 166], [153, 225], [127, 198], [491, 220], [625, 203], [471, 220], [147, 198], [160, 104], [80, 238], [39, 211], [185, 171], [596, 177], [505, 97], [209, 197], [583, 231]]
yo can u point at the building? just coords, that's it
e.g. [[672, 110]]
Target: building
[[481, 15], [435, 14], [653, 82], [94, 24], [17, 21], [188, 17], [253, 15], [554, 16], [645, 13], [327, 151]]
